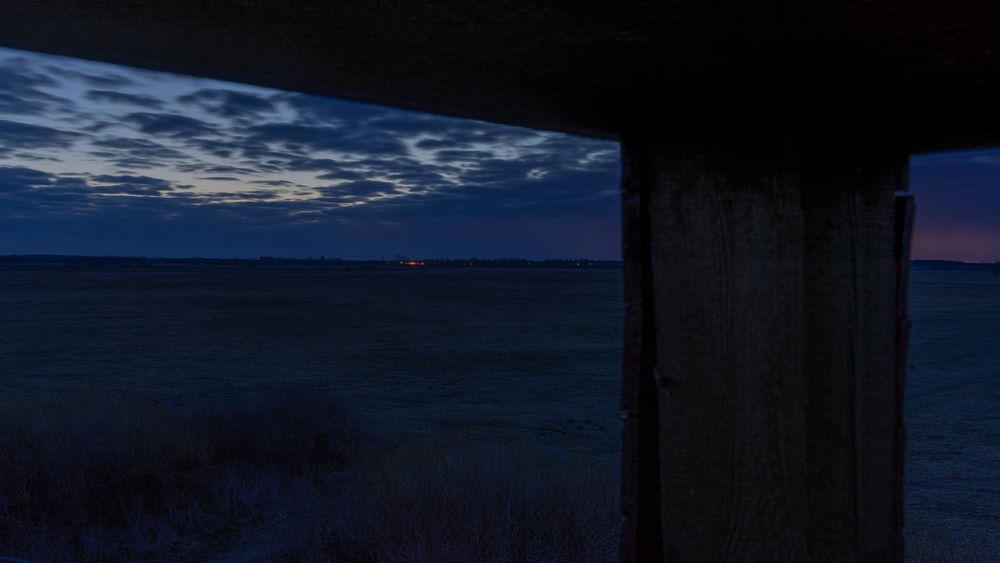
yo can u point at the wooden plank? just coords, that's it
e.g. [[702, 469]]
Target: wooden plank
[[905, 216], [727, 257], [775, 299], [850, 343], [581, 67], [640, 477]]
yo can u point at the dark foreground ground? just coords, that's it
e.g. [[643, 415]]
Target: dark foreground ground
[[953, 407], [422, 350], [529, 356]]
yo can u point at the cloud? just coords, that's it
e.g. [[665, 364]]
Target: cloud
[[20, 92], [19, 106], [220, 178], [216, 169], [113, 97], [220, 149], [364, 188], [130, 189], [228, 103], [463, 155], [408, 171], [14, 135], [295, 159], [316, 109], [351, 175], [435, 143], [108, 80], [245, 195], [19, 178], [40, 195], [138, 148], [34, 157], [168, 124], [320, 138], [136, 180], [276, 183]]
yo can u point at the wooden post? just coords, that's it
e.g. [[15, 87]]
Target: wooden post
[[774, 280], [640, 478], [905, 216]]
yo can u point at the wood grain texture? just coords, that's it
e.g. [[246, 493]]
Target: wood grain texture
[[641, 530], [905, 217], [850, 346], [928, 66], [775, 300]]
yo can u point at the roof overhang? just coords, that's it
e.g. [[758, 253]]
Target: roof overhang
[[922, 73]]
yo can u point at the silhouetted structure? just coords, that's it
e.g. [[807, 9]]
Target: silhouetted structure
[[765, 247]]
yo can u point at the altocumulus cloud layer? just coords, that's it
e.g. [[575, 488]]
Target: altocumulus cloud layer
[[97, 158]]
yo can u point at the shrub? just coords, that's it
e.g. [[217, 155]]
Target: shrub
[[120, 478], [490, 503], [287, 477], [931, 542]]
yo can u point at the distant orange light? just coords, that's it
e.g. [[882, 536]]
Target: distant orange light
[[411, 263]]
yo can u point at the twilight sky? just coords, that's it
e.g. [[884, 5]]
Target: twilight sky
[[103, 159], [958, 205]]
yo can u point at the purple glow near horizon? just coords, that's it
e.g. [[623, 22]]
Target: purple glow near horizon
[[958, 205]]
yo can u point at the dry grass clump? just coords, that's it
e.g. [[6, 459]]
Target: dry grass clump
[[927, 543], [289, 477], [484, 503], [282, 478], [103, 478]]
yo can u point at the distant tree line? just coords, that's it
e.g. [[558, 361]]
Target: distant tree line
[[954, 266], [142, 262], [510, 263], [399, 261]]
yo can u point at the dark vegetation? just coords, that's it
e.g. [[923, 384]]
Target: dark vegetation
[[954, 266], [317, 262], [289, 478], [117, 478], [397, 262], [292, 478]]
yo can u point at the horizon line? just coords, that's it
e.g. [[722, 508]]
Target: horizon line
[[397, 258], [320, 257]]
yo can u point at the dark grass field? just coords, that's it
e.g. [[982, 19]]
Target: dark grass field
[[422, 350], [953, 409], [470, 357]]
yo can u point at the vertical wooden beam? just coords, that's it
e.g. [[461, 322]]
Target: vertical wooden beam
[[905, 216], [774, 281], [640, 478], [850, 342], [727, 255]]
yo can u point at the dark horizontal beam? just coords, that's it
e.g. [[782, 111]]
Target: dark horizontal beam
[[925, 69]]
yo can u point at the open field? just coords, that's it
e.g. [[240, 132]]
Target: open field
[[953, 407], [429, 350], [466, 355]]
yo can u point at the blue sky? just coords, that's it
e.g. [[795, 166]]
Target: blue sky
[[103, 159]]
